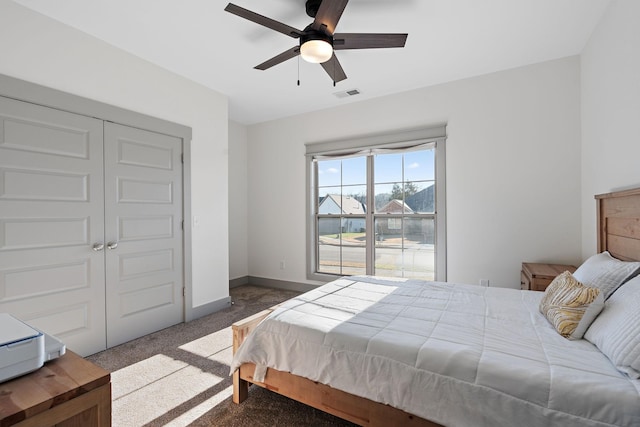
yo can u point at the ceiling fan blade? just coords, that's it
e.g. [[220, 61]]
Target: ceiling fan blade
[[334, 69], [263, 20], [343, 41], [287, 54], [328, 15]]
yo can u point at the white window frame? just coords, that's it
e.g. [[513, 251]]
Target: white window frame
[[368, 145]]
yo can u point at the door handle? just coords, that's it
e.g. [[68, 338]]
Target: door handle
[[112, 245], [98, 247]]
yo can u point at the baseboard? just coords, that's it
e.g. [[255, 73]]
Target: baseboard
[[209, 308], [234, 283], [280, 284], [271, 283]]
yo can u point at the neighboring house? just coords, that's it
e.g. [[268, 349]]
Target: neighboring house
[[421, 202], [395, 206], [336, 204], [392, 226]]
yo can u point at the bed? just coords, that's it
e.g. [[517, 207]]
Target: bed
[[376, 351]]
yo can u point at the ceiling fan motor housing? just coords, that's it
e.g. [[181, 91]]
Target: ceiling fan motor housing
[[312, 7], [310, 34]]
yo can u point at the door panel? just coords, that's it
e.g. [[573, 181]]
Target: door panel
[[36, 281], [44, 137], [42, 185], [51, 214], [143, 206], [51, 232], [144, 191], [145, 227]]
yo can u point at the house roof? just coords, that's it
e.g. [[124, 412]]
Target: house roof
[[347, 204], [448, 40], [396, 206]]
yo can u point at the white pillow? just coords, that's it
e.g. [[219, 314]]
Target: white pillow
[[616, 331], [605, 272]]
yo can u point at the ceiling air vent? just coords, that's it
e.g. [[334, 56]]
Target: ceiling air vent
[[346, 93]]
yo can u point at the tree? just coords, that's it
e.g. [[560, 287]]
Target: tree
[[409, 190]]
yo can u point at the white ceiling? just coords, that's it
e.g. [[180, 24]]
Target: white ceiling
[[448, 40]]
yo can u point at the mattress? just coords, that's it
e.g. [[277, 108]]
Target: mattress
[[459, 355]]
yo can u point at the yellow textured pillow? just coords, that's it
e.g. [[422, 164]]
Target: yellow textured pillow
[[571, 306]]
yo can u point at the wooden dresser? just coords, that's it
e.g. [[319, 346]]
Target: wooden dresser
[[536, 276], [66, 392]]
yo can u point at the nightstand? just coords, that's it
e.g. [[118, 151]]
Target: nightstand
[[67, 391], [536, 277]]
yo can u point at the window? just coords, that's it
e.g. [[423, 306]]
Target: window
[[376, 206]]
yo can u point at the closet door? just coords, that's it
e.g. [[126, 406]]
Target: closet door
[[52, 222], [143, 230]]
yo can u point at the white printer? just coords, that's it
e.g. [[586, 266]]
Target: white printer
[[24, 349]]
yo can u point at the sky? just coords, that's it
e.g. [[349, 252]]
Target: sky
[[388, 169]]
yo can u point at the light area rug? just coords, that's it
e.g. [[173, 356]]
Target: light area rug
[[179, 376]]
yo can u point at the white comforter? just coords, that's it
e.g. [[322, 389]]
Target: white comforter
[[459, 355]]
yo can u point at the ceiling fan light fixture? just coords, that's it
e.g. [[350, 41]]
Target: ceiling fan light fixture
[[316, 49]]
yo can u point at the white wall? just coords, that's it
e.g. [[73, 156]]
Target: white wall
[[40, 50], [513, 171], [610, 65], [238, 201]]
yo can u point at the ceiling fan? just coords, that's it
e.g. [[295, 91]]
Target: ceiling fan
[[319, 39]]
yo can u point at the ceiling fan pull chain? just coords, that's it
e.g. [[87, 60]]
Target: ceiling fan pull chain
[[298, 70], [334, 73]]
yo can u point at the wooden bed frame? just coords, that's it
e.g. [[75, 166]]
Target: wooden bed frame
[[619, 224], [347, 406], [618, 232]]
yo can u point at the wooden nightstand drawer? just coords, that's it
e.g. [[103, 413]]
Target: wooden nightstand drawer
[[537, 276]]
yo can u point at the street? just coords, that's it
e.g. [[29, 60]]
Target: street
[[418, 260]]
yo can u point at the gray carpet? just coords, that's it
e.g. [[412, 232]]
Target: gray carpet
[[180, 376]]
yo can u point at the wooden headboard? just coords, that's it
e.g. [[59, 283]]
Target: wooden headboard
[[619, 224]]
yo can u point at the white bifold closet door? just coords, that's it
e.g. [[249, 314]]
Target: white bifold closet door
[[143, 232], [90, 226]]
